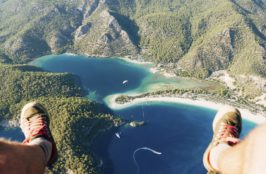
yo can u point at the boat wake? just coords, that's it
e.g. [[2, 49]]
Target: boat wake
[[143, 148]]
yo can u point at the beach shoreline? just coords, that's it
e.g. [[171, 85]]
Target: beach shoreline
[[251, 116], [153, 69], [246, 114]]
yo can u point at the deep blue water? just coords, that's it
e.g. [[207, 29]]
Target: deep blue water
[[14, 134], [180, 132]]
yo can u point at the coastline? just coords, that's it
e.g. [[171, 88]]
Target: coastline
[[254, 117], [135, 61], [246, 114], [153, 69], [9, 123], [257, 118]]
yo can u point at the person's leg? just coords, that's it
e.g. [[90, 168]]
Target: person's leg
[[226, 154], [226, 126], [247, 157], [18, 158], [37, 150], [34, 123]]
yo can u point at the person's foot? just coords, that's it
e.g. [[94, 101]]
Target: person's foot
[[34, 122], [226, 126]]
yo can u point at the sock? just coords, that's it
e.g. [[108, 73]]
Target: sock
[[45, 145], [215, 153]]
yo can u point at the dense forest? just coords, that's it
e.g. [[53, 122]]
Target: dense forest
[[75, 121], [191, 37]]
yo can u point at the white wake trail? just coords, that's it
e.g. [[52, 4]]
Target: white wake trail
[[144, 148]]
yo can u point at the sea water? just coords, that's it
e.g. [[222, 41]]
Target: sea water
[[11, 133], [179, 132], [100, 76]]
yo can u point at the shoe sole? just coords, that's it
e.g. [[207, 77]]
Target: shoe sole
[[206, 159]]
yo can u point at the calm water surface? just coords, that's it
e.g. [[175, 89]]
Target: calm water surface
[[100, 76], [179, 132], [14, 134]]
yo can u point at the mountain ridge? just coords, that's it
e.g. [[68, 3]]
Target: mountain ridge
[[132, 28], [188, 38]]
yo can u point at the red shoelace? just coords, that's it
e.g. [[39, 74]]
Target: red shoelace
[[227, 133], [35, 126]]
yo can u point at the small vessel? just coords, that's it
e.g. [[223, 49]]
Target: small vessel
[[136, 123], [125, 81], [117, 135]]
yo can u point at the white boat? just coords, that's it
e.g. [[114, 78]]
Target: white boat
[[125, 81], [117, 135]]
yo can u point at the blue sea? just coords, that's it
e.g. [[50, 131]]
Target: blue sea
[[175, 135], [13, 133]]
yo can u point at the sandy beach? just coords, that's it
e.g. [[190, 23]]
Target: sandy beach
[[153, 69], [134, 61], [246, 114]]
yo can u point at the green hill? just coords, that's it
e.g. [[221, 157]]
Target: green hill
[[196, 37], [72, 118]]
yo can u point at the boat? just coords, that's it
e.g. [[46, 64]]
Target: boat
[[125, 81], [117, 135], [136, 123]]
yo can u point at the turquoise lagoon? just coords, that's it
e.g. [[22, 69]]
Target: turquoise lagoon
[[178, 133], [105, 76]]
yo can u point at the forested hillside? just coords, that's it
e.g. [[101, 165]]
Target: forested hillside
[[75, 121], [195, 37], [201, 36]]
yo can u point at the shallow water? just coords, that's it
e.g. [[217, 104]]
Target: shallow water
[[179, 132], [105, 76], [101, 77]]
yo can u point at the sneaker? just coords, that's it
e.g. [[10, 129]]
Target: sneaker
[[226, 126], [34, 122]]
